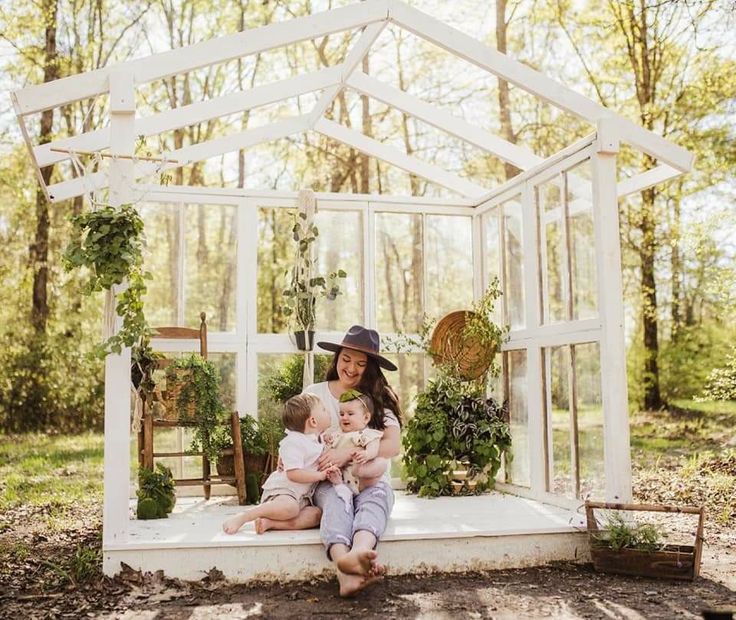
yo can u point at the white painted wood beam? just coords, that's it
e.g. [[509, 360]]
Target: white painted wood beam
[[507, 151], [116, 474], [221, 49], [187, 154], [352, 60], [196, 113], [534, 82], [647, 179], [472, 50], [393, 156]]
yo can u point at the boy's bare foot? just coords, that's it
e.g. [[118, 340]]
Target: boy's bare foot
[[263, 524], [350, 585], [358, 562]]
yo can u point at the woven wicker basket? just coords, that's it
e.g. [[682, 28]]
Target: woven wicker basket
[[171, 411], [449, 346]]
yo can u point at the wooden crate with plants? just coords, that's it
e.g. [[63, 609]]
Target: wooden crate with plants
[[628, 547]]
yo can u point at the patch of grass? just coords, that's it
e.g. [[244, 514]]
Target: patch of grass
[[49, 475], [727, 407]]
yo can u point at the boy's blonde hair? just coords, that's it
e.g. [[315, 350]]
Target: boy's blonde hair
[[297, 411]]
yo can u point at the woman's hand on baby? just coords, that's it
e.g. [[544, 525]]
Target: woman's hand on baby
[[333, 456]]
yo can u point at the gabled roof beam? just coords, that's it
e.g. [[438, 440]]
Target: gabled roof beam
[[183, 60], [352, 60], [532, 81], [393, 156], [195, 113], [647, 179], [186, 155], [519, 156]]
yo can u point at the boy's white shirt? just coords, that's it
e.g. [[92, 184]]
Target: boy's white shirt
[[296, 451], [333, 407]]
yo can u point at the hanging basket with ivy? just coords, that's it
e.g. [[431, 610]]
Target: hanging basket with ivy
[[109, 243]]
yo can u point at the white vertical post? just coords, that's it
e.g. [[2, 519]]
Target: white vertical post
[[476, 223], [617, 455], [241, 308], [117, 366], [534, 397], [248, 288], [369, 265]]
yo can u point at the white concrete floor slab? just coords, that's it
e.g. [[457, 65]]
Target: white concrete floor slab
[[449, 533]]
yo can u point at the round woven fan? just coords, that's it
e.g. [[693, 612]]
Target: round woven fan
[[449, 346]]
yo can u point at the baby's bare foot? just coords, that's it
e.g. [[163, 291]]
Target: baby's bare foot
[[358, 562], [263, 524], [232, 525]]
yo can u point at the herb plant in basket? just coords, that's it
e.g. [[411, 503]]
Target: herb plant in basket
[[193, 389]]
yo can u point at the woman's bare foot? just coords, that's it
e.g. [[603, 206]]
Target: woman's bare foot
[[359, 562], [350, 585], [263, 524]]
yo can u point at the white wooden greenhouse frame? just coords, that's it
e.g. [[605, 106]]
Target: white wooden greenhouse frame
[[497, 537]]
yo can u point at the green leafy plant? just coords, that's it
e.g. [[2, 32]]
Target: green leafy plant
[[454, 423], [304, 285], [155, 493], [286, 380], [620, 533], [109, 243], [198, 401]]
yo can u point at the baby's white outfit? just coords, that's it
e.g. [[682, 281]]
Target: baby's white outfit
[[360, 439]]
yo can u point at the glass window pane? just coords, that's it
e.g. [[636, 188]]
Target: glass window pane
[[275, 255], [590, 420], [553, 263], [557, 363], [161, 259], [399, 275], [449, 255], [340, 246], [514, 262], [518, 471], [492, 256], [210, 265], [582, 241]]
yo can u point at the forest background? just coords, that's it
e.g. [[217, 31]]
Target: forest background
[[667, 65]]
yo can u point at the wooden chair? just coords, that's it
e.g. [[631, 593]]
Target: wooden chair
[[146, 454]]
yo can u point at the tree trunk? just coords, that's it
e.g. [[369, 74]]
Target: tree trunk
[[504, 105], [647, 251], [676, 266], [365, 170], [39, 250]]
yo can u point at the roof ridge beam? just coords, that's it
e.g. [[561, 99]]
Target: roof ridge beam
[[532, 81], [221, 49], [393, 156], [352, 60], [507, 151], [185, 155], [176, 118]]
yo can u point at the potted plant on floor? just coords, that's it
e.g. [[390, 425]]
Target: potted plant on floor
[[155, 493], [305, 285]]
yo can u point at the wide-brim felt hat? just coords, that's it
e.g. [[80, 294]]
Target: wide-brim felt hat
[[361, 339]]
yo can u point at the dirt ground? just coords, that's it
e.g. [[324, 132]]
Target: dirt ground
[[41, 578]]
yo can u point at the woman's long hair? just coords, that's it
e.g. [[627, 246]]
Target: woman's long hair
[[373, 383]]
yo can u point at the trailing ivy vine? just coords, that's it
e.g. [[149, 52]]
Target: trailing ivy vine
[[109, 243]]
